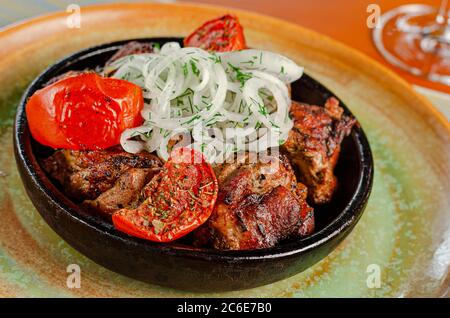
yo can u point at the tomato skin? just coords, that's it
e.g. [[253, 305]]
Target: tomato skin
[[223, 34], [84, 112], [181, 198]]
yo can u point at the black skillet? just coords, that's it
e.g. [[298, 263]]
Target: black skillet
[[182, 266]]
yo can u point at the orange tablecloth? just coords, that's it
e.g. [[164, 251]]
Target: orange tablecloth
[[343, 20]]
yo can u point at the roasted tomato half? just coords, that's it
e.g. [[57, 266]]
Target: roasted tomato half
[[178, 200], [84, 112], [223, 34]]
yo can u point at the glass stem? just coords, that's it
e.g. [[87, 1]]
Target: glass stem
[[443, 21], [442, 17]]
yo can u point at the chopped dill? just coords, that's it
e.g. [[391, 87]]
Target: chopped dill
[[185, 70], [156, 46], [240, 76], [250, 62], [196, 117], [215, 58], [194, 68]]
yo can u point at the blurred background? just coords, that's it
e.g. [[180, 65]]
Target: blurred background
[[343, 20]]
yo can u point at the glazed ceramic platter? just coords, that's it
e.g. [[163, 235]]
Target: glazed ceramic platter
[[404, 235]]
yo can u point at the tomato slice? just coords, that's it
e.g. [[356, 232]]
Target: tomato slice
[[223, 34], [84, 112], [179, 199]]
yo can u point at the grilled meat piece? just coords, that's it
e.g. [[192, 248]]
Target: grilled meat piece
[[313, 145], [258, 205], [262, 221], [124, 193], [88, 174], [130, 48]]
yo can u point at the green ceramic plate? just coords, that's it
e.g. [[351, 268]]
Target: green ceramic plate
[[401, 246]]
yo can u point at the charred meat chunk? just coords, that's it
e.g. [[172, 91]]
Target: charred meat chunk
[[314, 144], [258, 205], [111, 177], [262, 221], [124, 193]]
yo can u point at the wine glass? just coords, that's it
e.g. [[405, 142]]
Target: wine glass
[[416, 38]]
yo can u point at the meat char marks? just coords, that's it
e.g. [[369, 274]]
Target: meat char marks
[[106, 180], [259, 204], [314, 144]]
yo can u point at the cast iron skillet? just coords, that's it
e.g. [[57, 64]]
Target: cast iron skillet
[[182, 266]]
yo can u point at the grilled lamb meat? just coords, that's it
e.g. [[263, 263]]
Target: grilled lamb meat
[[109, 177], [258, 206], [313, 145], [130, 48], [124, 193]]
